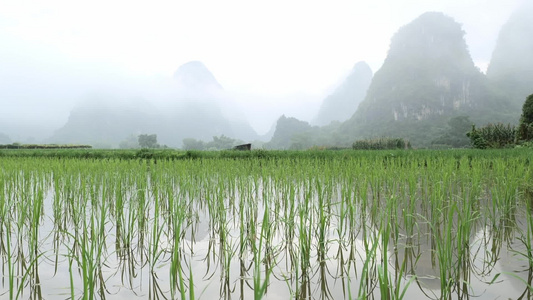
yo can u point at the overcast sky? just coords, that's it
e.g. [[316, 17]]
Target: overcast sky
[[52, 50]]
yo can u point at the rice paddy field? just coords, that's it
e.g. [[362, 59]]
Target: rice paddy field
[[308, 225]]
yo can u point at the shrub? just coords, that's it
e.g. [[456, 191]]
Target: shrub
[[492, 136], [381, 144]]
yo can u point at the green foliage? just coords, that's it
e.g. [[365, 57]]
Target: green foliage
[[218, 143], [381, 144], [525, 129], [492, 136], [527, 110], [476, 140], [148, 141], [43, 146], [500, 136], [455, 134], [314, 154], [222, 143], [289, 211], [525, 132]]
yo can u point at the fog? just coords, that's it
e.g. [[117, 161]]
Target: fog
[[269, 58]]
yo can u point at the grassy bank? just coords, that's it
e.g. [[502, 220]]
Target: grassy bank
[[169, 154]]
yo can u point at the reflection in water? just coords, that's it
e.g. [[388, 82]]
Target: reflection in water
[[161, 232]]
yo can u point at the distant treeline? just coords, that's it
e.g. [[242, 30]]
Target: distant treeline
[[381, 144], [44, 146], [502, 136]]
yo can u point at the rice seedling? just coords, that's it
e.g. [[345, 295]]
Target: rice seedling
[[301, 225]]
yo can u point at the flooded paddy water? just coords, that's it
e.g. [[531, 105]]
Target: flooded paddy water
[[361, 227]]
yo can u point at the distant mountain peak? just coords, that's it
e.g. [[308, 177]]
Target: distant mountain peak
[[511, 66], [361, 66], [433, 36], [343, 102], [195, 76], [427, 78]]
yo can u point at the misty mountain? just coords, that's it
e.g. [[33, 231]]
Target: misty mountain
[[343, 102], [286, 129], [198, 108], [28, 128], [269, 134], [106, 120], [294, 134], [511, 67], [202, 109], [427, 78], [194, 77]]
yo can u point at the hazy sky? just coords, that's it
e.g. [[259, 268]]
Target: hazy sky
[[52, 51]]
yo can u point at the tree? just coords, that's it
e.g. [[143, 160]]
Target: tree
[[221, 143], [525, 129], [455, 133], [148, 141], [476, 139], [131, 142], [493, 136], [193, 144], [301, 141]]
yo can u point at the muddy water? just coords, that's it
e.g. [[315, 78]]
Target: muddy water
[[343, 262]]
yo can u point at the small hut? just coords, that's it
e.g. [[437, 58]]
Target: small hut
[[243, 147]]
